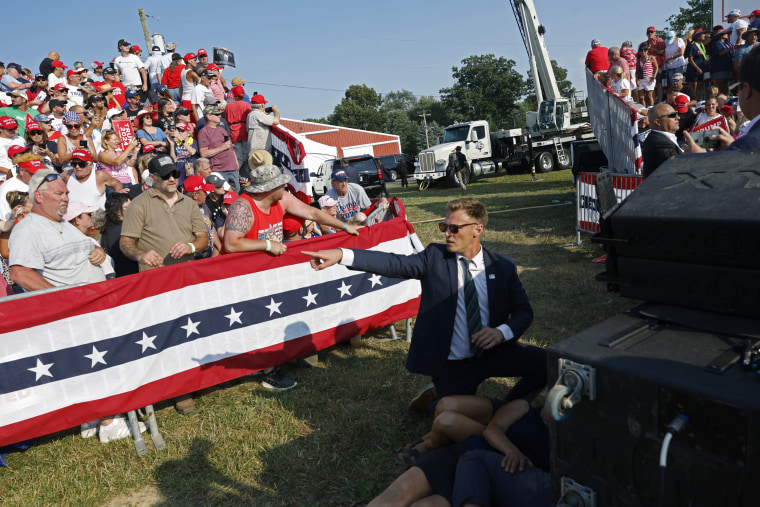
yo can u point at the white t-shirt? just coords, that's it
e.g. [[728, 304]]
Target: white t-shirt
[[5, 160], [56, 250], [670, 50], [619, 86], [151, 67], [9, 185], [353, 202], [53, 80], [129, 67], [735, 27], [75, 95], [200, 98]]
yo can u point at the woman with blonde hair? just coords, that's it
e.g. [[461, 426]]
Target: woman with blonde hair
[[619, 83], [117, 163]]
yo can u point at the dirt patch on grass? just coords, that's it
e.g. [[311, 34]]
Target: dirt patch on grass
[[147, 496]]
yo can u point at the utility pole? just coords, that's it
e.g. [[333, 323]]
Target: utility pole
[[148, 42], [424, 121]]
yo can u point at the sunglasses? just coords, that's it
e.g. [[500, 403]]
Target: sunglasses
[[48, 179], [79, 163], [453, 228], [172, 174], [73, 126], [669, 115], [35, 132]]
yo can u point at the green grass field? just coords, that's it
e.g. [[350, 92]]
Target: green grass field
[[331, 440]]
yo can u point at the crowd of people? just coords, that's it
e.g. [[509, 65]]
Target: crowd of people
[[197, 180], [115, 169], [692, 93]]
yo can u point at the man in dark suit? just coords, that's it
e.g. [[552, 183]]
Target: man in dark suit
[[660, 145], [749, 101], [443, 345]]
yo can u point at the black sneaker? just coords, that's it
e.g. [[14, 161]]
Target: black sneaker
[[277, 381]]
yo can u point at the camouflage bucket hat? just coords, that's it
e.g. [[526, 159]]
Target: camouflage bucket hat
[[265, 178]]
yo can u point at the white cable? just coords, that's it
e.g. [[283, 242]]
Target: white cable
[[664, 449]]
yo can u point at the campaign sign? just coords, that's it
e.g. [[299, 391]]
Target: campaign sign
[[124, 129], [223, 57]]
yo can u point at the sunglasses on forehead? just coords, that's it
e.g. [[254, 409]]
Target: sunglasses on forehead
[[48, 179]]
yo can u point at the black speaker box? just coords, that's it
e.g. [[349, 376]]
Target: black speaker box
[[649, 369], [690, 234]]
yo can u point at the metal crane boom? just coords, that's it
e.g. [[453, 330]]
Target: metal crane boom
[[532, 34]]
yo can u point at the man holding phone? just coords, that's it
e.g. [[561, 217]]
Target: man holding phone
[[214, 144], [259, 124]]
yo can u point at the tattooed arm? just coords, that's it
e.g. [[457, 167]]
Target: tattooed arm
[[239, 222], [129, 248]]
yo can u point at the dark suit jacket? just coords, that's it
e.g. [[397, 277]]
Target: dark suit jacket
[[749, 141], [657, 149], [436, 268]]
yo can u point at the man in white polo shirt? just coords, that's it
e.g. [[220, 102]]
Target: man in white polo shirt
[[131, 68]]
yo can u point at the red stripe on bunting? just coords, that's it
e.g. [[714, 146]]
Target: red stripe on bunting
[[199, 378], [16, 314]]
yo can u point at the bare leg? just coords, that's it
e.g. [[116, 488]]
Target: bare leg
[[478, 408], [408, 488], [432, 501], [456, 418]]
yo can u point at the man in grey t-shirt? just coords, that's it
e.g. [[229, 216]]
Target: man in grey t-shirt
[[259, 124], [45, 251], [352, 198]]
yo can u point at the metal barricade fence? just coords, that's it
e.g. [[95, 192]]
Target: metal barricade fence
[[587, 211], [613, 121]]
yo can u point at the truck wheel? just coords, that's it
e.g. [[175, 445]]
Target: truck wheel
[[394, 175], [567, 163], [544, 162], [454, 179]]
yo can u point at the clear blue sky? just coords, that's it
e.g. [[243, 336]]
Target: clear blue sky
[[302, 55]]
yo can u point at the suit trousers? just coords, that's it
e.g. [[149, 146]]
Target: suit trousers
[[511, 359]]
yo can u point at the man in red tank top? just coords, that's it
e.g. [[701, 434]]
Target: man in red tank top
[[254, 223]]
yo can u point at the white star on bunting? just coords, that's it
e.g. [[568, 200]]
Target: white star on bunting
[[344, 289], [234, 316], [273, 307], [41, 370], [96, 356], [310, 298], [191, 327], [146, 342], [375, 279]]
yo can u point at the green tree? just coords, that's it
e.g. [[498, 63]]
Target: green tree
[[439, 113], [698, 14], [434, 135], [359, 109], [402, 100], [398, 123], [486, 88]]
